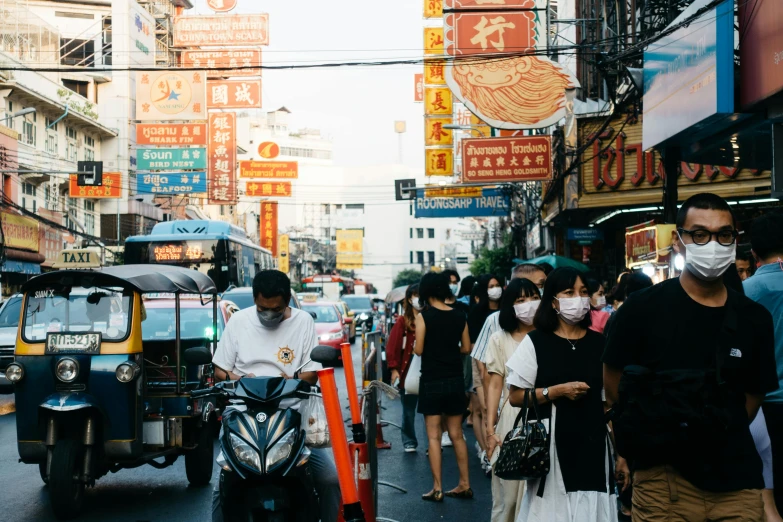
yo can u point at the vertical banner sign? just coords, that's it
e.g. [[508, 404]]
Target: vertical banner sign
[[222, 151], [433, 41], [349, 249], [268, 226], [418, 86], [282, 255]]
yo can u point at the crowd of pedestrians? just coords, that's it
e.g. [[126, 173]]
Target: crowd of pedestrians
[[660, 401]]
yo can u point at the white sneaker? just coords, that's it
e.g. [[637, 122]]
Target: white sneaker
[[445, 441], [478, 450]]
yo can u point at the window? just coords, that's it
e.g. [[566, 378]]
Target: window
[[89, 217], [47, 197], [304, 153], [71, 214], [89, 148], [327, 208], [411, 255], [326, 233], [431, 258], [28, 132], [76, 52], [411, 233], [355, 206], [420, 258], [431, 233], [50, 145], [420, 233], [71, 149], [28, 198], [51, 124]]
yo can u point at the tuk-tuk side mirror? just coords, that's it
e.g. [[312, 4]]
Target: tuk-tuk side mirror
[[198, 355], [325, 355]]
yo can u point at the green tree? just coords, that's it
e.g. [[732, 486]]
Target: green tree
[[407, 277], [497, 261]]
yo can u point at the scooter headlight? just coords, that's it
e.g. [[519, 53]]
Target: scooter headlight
[[280, 450], [67, 370], [14, 372], [245, 453]]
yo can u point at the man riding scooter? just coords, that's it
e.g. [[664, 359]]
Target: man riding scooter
[[273, 340]]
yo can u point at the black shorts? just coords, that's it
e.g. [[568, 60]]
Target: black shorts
[[443, 397]]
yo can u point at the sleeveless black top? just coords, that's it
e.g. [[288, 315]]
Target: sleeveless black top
[[441, 358], [580, 430]]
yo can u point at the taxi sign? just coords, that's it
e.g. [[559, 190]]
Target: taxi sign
[[84, 258], [310, 298]]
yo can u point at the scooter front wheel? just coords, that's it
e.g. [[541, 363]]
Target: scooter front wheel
[[66, 489]]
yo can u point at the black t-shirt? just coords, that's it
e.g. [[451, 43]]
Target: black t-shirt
[[662, 328], [441, 357], [462, 307], [476, 318]]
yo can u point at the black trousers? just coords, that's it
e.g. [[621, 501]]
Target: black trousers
[[773, 414]]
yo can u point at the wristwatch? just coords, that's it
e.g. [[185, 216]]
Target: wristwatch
[[545, 393]]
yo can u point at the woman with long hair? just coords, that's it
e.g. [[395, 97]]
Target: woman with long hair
[[441, 336], [517, 309], [598, 317], [559, 365], [399, 353]]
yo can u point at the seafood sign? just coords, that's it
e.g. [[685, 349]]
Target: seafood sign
[[166, 183], [517, 158]]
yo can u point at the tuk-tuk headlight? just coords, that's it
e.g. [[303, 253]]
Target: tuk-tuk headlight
[[281, 449], [127, 371], [245, 453], [67, 369], [14, 372]]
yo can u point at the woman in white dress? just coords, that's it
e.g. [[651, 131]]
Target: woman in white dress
[[517, 309], [561, 361]]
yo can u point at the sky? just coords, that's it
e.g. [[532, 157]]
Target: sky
[[355, 107]]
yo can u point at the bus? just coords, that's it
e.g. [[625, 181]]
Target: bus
[[216, 248]]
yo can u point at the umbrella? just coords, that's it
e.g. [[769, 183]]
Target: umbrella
[[557, 262], [397, 294]]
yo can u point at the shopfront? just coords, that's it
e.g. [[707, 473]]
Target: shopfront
[[648, 247], [22, 259]]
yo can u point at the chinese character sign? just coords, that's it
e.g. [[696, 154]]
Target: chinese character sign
[[491, 4], [350, 249], [224, 63], [168, 159], [282, 254], [435, 132], [234, 94], [433, 8], [434, 72], [171, 134], [418, 86], [518, 158], [20, 231], [439, 162], [111, 188], [167, 183], [165, 95], [268, 226], [437, 101], [268, 189], [222, 152], [433, 40]]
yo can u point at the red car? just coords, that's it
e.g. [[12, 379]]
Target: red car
[[329, 324]]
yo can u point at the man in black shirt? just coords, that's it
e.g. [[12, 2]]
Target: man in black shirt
[[695, 324]]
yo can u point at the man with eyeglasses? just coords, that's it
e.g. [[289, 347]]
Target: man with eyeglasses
[[695, 359]]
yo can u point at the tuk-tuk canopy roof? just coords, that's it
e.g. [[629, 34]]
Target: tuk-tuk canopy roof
[[141, 278]]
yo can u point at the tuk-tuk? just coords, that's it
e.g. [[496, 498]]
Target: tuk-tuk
[[92, 397]]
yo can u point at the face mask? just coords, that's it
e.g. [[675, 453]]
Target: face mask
[[526, 311], [270, 319], [600, 302], [454, 289], [416, 303], [574, 309], [495, 293], [709, 262]]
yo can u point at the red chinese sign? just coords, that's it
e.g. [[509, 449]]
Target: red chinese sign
[[493, 32], [491, 4], [270, 189], [171, 134], [520, 158], [110, 189], [418, 88], [641, 245], [268, 226], [222, 154], [269, 169], [222, 63], [234, 94]]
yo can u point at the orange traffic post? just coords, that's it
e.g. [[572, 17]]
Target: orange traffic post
[[357, 427], [352, 508], [362, 471]]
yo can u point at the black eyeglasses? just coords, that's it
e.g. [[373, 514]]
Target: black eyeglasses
[[702, 236]]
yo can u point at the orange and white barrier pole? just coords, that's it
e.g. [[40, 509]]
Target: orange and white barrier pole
[[353, 396]]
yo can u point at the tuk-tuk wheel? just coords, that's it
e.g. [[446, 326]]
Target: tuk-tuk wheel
[[199, 461], [66, 491], [42, 471]]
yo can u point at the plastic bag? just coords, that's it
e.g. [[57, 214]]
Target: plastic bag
[[314, 422]]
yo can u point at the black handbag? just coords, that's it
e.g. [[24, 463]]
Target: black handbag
[[524, 454]]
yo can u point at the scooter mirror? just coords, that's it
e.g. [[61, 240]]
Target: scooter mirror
[[325, 355], [198, 355]]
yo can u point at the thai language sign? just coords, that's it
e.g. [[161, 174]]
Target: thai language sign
[[219, 30], [167, 159], [166, 95], [270, 189], [222, 151], [166, 183], [171, 134], [110, 189], [221, 63], [20, 231], [519, 158], [492, 202], [269, 169], [485, 4], [234, 94], [268, 226]]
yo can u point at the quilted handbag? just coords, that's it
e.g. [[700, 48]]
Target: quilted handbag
[[524, 454]]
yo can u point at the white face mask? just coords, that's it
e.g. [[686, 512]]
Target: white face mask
[[416, 304], [709, 262], [495, 293], [526, 311], [600, 302], [454, 289], [573, 309]]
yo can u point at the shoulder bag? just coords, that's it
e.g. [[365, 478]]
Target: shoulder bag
[[413, 376]]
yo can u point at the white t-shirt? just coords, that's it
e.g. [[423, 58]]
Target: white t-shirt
[[248, 347]]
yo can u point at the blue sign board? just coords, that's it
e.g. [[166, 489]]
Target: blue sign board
[[689, 76], [493, 202], [165, 183], [585, 234], [169, 159]]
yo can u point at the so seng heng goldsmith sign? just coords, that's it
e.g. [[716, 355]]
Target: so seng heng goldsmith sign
[[517, 158]]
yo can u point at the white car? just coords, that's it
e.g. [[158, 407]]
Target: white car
[[9, 324]]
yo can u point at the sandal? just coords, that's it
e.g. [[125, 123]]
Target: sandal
[[434, 496], [465, 494]]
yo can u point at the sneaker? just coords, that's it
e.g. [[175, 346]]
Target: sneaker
[[478, 450], [445, 441], [410, 448]]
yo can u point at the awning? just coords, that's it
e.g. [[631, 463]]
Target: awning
[[20, 267]]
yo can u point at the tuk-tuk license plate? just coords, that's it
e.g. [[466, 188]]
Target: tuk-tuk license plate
[[73, 343]]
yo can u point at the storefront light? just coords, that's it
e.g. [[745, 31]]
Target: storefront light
[[679, 262], [648, 270]]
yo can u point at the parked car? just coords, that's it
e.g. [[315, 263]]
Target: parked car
[[348, 317], [363, 307], [9, 324], [329, 324], [243, 297]]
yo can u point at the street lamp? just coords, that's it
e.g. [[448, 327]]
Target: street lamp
[[476, 128], [28, 110]]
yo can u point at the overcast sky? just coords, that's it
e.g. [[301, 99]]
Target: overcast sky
[[355, 106]]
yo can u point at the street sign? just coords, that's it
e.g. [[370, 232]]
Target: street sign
[[493, 202], [168, 159], [518, 158], [90, 180], [404, 195], [74, 259], [167, 183], [585, 234]]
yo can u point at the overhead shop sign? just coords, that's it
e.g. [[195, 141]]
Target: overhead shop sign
[[761, 52], [165, 95], [519, 158], [269, 189], [350, 249], [20, 231], [110, 187], [167, 159], [223, 63], [269, 169], [220, 30], [166, 183], [222, 150], [234, 94], [492, 202], [171, 134]]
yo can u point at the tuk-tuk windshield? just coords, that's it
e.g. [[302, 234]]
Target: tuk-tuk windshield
[[195, 323], [82, 310]]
